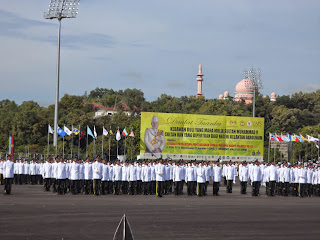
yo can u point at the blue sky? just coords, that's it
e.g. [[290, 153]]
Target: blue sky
[[156, 46]]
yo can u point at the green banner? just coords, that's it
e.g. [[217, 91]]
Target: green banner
[[201, 137]]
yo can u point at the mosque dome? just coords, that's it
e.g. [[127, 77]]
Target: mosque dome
[[245, 85], [226, 94], [221, 96], [273, 96]]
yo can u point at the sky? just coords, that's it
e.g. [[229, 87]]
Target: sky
[[156, 46]]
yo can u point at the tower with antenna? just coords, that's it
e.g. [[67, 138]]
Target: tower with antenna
[[200, 80]]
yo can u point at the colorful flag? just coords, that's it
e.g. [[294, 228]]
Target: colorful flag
[[279, 138], [75, 130], [304, 139], [273, 138], [89, 132], [104, 132], [67, 130], [131, 134], [284, 138], [110, 132], [294, 138], [300, 138], [95, 132], [312, 139], [61, 132], [124, 132], [81, 135], [118, 136], [11, 147], [50, 130], [289, 137]]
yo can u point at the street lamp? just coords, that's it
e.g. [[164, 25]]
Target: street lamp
[[253, 82], [59, 9]]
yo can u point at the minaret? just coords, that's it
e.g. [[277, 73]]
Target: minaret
[[200, 79]]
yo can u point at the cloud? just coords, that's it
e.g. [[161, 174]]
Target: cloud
[[132, 74], [12, 25], [176, 84], [81, 41], [311, 87]]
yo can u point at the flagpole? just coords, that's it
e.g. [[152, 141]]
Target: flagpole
[[269, 149], [102, 145], [118, 146], [299, 150], [311, 148], [125, 145], [318, 148], [57, 146], [79, 141], [94, 147], [109, 142], [131, 142], [274, 151], [48, 143], [306, 154], [292, 151], [71, 141], [87, 143], [63, 147]]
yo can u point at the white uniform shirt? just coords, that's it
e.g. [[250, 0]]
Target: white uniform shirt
[[8, 169], [160, 172], [201, 174], [87, 171], [216, 173], [243, 173], [117, 173], [61, 170], [105, 172], [96, 170], [47, 170], [132, 173], [74, 171]]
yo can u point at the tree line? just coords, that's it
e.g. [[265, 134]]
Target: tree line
[[28, 122]]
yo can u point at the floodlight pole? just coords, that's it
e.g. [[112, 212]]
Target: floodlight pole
[[56, 109], [59, 9]]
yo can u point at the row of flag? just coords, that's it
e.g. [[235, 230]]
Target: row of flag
[[293, 138], [76, 131]]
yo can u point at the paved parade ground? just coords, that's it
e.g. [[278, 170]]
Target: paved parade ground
[[31, 213]]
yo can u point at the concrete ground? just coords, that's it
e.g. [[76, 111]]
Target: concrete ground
[[31, 213]]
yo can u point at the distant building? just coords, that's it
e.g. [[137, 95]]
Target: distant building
[[244, 91], [273, 97], [101, 111]]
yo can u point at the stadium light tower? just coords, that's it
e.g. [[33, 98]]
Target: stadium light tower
[[253, 82], [59, 9]]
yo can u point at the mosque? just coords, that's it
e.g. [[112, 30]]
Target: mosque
[[244, 90]]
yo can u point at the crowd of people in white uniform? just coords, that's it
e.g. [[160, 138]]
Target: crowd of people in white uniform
[[161, 177]]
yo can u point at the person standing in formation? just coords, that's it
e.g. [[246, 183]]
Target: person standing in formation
[[216, 177], [191, 178], [117, 177], [8, 174], [201, 180], [160, 171], [47, 169], [243, 177], [96, 175]]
